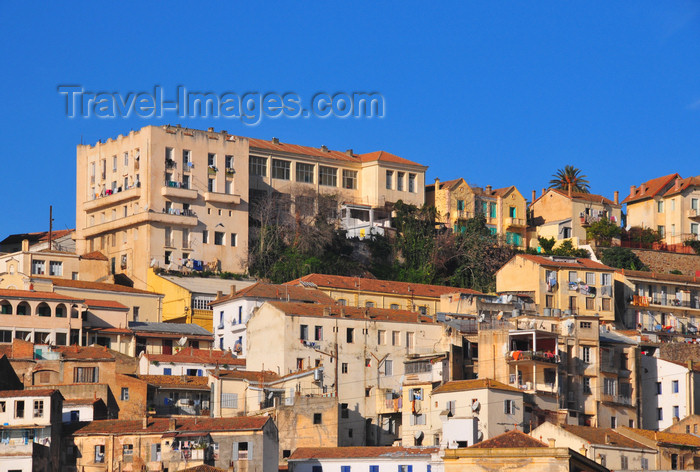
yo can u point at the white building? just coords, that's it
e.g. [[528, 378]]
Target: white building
[[189, 361], [363, 459], [231, 312], [669, 390]]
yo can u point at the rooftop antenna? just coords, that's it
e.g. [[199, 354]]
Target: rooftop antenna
[[50, 226]]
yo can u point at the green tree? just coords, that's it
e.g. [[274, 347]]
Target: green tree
[[566, 248], [546, 244], [603, 231], [570, 177], [622, 258]]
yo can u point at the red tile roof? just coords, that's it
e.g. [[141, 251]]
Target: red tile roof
[[162, 425], [683, 184], [203, 468], [35, 295], [176, 381], [380, 286], [329, 154], [637, 274], [576, 263], [586, 197], [84, 352], [602, 436], [27, 393], [358, 452], [474, 384], [36, 237], [680, 439], [376, 314], [278, 292], [251, 375], [105, 304], [94, 256], [58, 282], [651, 188], [191, 355], [445, 184], [510, 439]]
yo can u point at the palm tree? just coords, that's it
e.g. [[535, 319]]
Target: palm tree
[[572, 177]]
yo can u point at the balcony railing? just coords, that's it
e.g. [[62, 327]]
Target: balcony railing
[[641, 300], [515, 221], [179, 212], [693, 213], [538, 356], [170, 164], [619, 399]]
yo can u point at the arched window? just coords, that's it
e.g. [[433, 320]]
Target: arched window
[[23, 309], [43, 309], [60, 310], [5, 307]]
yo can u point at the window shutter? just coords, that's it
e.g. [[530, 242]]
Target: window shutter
[[410, 468], [250, 450], [234, 452], [154, 452]]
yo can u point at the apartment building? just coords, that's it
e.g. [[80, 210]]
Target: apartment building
[[566, 215], [31, 430], [369, 293], [164, 196], [668, 204], [61, 240], [366, 185], [669, 392], [504, 208], [676, 451], [664, 307], [375, 459], [362, 350], [233, 311], [187, 361], [561, 285]]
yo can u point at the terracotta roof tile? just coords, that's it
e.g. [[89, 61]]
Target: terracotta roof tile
[[445, 184], [683, 184], [278, 292], [161, 425], [179, 381], [651, 188], [586, 197], [380, 286], [575, 263], [602, 436], [94, 256], [84, 352], [203, 468], [190, 355], [637, 274], [35, 237], [357, 452], [27, 393], [105, 304], [36, 295], [681, 439], [474, 384], [58, 282], [376, 314], [510, 439], [251, 375], [386, 157]]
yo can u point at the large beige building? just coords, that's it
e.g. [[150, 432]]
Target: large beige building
[[164, 196], [669, 205], [504, 208]]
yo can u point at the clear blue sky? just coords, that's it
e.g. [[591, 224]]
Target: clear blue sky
[[499, 93]]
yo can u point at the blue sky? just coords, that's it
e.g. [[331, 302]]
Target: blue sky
[[499, 93]]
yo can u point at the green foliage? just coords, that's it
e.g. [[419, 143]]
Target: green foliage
[[603, 231], [675, 272], [694, 243], [645, 236], [546, 244], [572, 177], [566, 248], [622, 258]]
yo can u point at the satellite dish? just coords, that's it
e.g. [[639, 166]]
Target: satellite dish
[[476, 405], [182, 341], [269, 395], [153, 262], [480, 435], [482, 317], [29, 335], [418, 434]]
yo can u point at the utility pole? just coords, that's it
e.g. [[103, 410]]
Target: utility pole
[[50, 226]]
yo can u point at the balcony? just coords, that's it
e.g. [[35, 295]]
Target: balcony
[[170, 164], [661, 300], [185, 218], [515, 222], [176, 190], [618, 399], [216, 197], [533, 356], [693, 213], [113, 198], [386, 405]]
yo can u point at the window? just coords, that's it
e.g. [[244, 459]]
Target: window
[[423, 310], [305, 173], [623, 462], [512, 212], [613, 421], [405, 468], [228, 162], [674, 462], [303, 332], [317, 468], [210, 185], [219, 238], [660, 206], [234, 239], [344, 468], [586, 354], [85, 375], [350, 335], [573, 277], [590, 303], [590, 278], [344, 368], [125, 394], [662, 230], [328, 176], [128, 453], [602, 460], [676, 411], [38, 408], [389, 179], [492, 210], [607, 304], [388, 367], [609, 386], [587, 385], [56, 268], [317, 418], [549, 301], [369, 304], [605, 279], [229, 400], [660, 414], [258, 166], [694, 229], [205, 237], [19, 408], [381, 337], [318, 333], [394, 306], [417, 419], [99, 454], [300, 363], [451, 407], [38, 267], [167, 371], [399, 181], [509, 407], [412, 183], [645, 463], [658, 388], [674, 386], [585, 325], [373, 468], [349, 179], [410, 340], [281, 169]]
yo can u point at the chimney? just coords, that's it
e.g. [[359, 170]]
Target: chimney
[[25, 245], [211, 130], [437, 183], [218, 294], [534, 196], [543, 191], [145, 422], [632, 190], [582, 451], [349, 152], [488, 189], [643, 189], [233, 289], [607, 438], [616, 197], [678, 183], [275, 140], [552, 442], [171, 424], [326, 311], [324, 148]]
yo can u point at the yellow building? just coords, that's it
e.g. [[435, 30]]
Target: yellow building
[[561, 285], [164, 196], [561, 215], [669, 205], [363, 292], [504, 208]]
